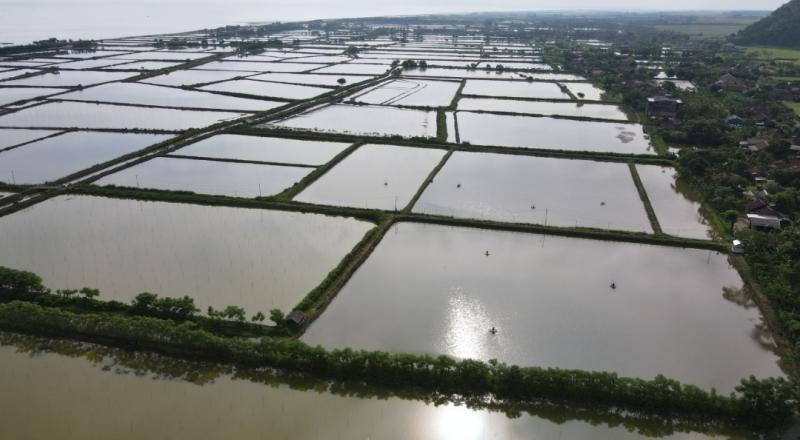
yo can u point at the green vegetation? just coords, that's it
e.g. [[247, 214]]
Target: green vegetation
[[779, 29], [793, 105], [648, 207], [706, 30], [774, 54]]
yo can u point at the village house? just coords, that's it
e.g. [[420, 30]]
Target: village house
[[662, 106], [762, 216], [734, 121], [731, 83], [754, 145]]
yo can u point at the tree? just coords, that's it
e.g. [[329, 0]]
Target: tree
[[341, 81], [259, 317], [351, 51], [276, 316], [20, 283], [90, 293]]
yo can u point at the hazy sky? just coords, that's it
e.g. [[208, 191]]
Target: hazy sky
[[27, 20]]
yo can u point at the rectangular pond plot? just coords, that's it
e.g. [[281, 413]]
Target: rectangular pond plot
[[677, 211], [585, 91], [354, 69], [89, 115], [489, 74], [150, 95], [251, 66], [9, 74], [514, 89], [211, 177], [90, 64], [516, 65], [325, 59], [374, 177], [550, 133], [197, 395], [364, 120], [267, 89], [525, 189], [433, 289], [143, 65], [194, 77], [56, 157], [544, 108], [220, 256], [160, 56], [452, 131], [11, 136], [311, 79], [411, 92], [69, 78], [265, 149]]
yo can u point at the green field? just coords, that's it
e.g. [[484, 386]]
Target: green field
[[769, 53], [710, 30], [794, 106]]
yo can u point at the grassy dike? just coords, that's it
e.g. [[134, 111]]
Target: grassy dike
[[758, 404], [648, 207]]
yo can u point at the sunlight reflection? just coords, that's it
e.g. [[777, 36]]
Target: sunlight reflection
[[458, 422], [467, 327]]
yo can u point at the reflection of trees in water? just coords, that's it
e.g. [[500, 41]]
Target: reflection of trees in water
[[739, 296], [158, 367], [760, 334]]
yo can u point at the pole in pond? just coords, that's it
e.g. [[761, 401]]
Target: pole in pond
[[259, 190], [13, 179], [137, 180]]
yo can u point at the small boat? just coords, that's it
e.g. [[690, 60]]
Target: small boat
[[487, 253], [613, 285], [493, 331]]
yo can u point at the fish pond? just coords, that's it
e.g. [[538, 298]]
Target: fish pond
[[552, 133], [440, 289], [212, 177], [220, 256], [374, 176], [59, 156], [525, 189]]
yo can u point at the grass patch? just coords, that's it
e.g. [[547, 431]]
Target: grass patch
[[776, 53], [708, 30], [793, 105]]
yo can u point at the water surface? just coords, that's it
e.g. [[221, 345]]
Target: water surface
[[265, 149], [257, 259], [375, 177], [10, 136], [518, 89], [193, 77], [590, 92], [89, 115], [364, 120], [208, 177], [267, 89], [56, 157], [552, 133], [10, 95], [411, 92], [525, 189], [310, 78], [568, 109], [145, 94], [76, 388], [432, 289], [677, 211], [69, 78]]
